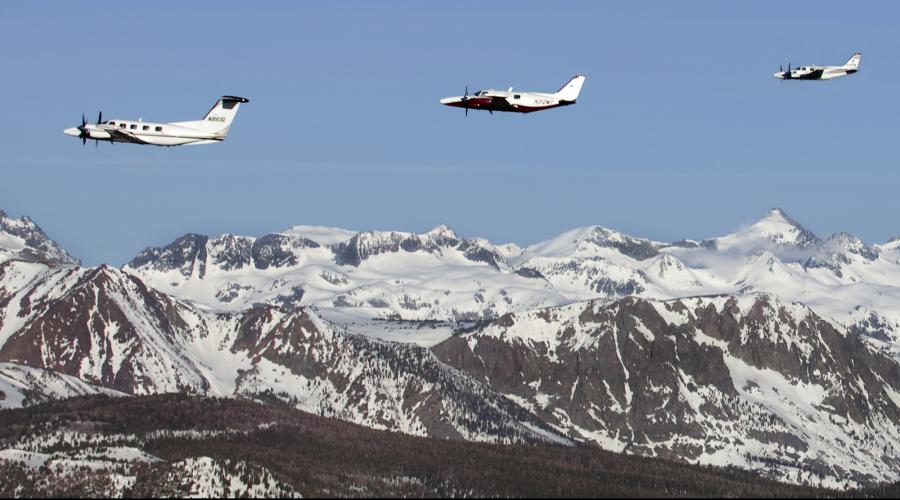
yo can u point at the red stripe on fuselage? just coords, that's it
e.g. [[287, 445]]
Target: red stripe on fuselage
[[489, 105]]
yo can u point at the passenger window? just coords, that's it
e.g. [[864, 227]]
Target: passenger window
[[146, 127], [133, 126], [516, 96], [159, 129], [121, 125]]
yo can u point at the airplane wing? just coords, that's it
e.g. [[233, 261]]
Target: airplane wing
[[501, 104], [125, 136]]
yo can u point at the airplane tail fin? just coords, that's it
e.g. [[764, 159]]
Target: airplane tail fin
[[853, 63], [570, 91], [219, 118]]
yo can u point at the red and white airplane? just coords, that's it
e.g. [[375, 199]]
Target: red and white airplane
[[211, 129], [517, 102]]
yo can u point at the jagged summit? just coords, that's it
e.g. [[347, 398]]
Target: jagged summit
[[775, 230], [23, 239]]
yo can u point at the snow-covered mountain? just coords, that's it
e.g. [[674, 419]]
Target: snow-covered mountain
[[106, 328], [747, 381], [23, 239], [767, 349], [433, 276], [442, 276]]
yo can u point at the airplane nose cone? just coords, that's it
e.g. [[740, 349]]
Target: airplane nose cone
[[780, 74], [74, 132], [449, 100]]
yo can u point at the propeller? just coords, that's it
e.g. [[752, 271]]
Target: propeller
[[99, 121], [465, 100], [83, 130], [785, 75]]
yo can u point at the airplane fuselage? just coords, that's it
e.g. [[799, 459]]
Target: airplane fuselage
[[815, 73], [820, 72], [211, 128], [517, 102], [499, 100], [139, 132]]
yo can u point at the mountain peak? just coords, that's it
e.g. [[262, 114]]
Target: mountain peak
[[776, 228], [22, 238], [443, 231], [777, 215], [441, 236]]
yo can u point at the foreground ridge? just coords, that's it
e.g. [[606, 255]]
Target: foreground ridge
[[179, 445]]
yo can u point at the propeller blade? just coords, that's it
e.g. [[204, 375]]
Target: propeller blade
[[83, 140], [96, 142], [100, 118], [83, 121], [465, 100]]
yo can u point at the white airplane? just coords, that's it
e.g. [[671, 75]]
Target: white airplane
[[212, 128], [517, 102], [820, 72]]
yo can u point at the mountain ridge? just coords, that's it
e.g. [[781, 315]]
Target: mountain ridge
[[438, 335]]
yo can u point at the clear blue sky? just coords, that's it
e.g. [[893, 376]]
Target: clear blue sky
[[680, 131]]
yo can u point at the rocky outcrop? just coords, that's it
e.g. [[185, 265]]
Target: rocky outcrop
[[754, 379]]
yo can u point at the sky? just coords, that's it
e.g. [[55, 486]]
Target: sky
[[680, 130]]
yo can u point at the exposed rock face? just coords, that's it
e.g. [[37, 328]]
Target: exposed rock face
[[365, 245], [752, 379], [229, 252], [369, 244], [380, 384], [278, 250], [102, 326], [636, 248], [182, 255]]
